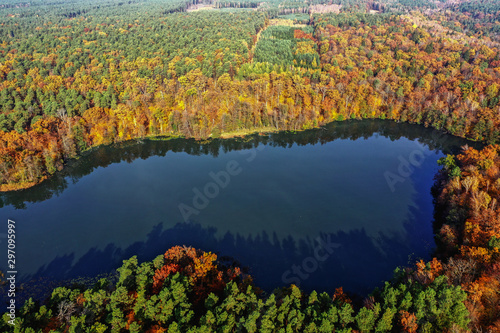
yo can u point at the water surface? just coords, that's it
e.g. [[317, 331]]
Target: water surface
[[339, 206]]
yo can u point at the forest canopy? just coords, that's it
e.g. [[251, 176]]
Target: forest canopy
[[187, 290], [79, 74]]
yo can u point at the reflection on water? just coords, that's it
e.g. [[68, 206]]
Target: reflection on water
[[271, 201]]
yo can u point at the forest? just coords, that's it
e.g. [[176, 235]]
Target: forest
[[81, 74], [187, 290], [72, 83]]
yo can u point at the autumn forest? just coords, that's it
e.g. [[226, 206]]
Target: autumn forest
[[80, 74]]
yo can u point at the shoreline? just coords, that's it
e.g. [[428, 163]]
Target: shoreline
[[5, 188], [242, 133]]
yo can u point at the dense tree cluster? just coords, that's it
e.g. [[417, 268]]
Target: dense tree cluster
[[57, 71], [276, 8], [81, 82], [468, 229], [187, 290], [54, 9], [473, 18], [287, 46], [79, 74], [403, 72], [480, 8]]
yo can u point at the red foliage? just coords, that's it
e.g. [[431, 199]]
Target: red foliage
[[161, 274], [426, 273], [477, 264], [202, 269], [52, 326], [340, 296], [299, 34]]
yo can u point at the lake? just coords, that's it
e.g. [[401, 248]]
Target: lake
[[343, 205]]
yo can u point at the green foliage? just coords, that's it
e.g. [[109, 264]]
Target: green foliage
[[136, 36], [132, 305], [449, 164], [494, 243], [278, 46], [297, 18], [436, 306], [353, 20]]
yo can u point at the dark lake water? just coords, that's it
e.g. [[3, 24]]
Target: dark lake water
[[339, 206]]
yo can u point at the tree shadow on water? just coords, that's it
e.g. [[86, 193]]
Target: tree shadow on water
[[348, 259]]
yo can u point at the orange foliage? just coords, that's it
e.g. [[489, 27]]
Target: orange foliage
[[130, 319], [477, 261], [161, 274], [52, 326], [205, 276], [359, 75], [340, 296], [408, 322], [300, 34], [156, 329], [80, 300], [426, 273]]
